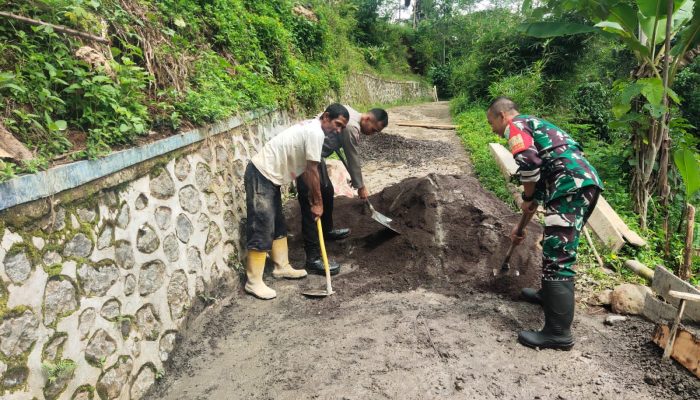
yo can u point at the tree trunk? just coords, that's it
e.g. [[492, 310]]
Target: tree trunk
[[688, 256]]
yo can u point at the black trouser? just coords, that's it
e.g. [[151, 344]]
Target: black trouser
[[263, 200], [308, 225]]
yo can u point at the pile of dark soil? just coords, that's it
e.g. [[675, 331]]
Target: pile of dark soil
[[453, 234], [394, 148]]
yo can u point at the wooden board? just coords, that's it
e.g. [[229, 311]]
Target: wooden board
[[665, 281], [426, 125], [629, 235], [604, 229], [686, 348]]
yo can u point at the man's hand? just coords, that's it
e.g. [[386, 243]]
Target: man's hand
[[528, 207], [317, 211], [363, 193], [514, 236]]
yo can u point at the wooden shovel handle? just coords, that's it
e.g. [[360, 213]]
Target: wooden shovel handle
[[322, 244]]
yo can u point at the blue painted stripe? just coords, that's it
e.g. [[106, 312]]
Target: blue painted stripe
[[43, 184]]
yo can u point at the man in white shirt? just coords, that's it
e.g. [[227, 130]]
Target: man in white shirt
[[295, 152]]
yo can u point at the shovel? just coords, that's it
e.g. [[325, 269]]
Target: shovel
[[381, 218], [505, 267], [328, 290]]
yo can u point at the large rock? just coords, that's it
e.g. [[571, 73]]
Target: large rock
[[171, 248], [629, 298], [86, 321], [100, 346], [162, 186], [141, 202], [52, 258], [18, 334], [124, 254], [144, 380], [178, 299], [123, 216], [17, 266], [229, 222], [60, 299], [147, 322], [166, 345], [57, 221], [203, 222], [147, 239], [86, 215], [15, 378], [151, 277], [111, 309], [129, 284], [202, 177], [110, 384], [59, 381], [96, 281], [213, 237], [194, 260], [79, 246], [182, 168], [54, 346], [189, 199], [602, 298], [213, 203], [163, 215], [106, 237], [183, 228]]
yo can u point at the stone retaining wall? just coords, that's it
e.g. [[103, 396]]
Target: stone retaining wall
[[367, 89], [97, 278]]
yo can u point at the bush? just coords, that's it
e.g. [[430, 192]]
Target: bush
[[688, 86], [524, 89], [591, 104]]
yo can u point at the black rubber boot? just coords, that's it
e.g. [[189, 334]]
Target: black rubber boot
[[315, 266], [531, 295], [559, 304], [337, 234]]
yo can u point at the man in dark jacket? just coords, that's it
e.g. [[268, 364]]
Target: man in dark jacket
[[348, 141]]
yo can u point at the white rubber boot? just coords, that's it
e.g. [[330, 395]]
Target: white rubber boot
[[280, 258], [254, 271]]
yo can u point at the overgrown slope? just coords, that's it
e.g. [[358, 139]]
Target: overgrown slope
[[168, 64]]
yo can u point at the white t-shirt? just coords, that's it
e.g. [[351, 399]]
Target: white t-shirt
[[284, 157]]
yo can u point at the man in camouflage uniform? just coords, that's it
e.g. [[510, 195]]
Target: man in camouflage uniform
[[553, 171]]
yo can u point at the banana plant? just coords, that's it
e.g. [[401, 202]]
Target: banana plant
[[644, 27]]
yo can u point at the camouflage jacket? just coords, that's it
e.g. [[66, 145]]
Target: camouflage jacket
[[549, 156]]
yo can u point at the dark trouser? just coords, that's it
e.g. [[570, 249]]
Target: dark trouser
[[263, 201], [564, 219], [308, 225]]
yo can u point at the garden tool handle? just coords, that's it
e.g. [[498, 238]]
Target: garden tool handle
[[525, 219], [324, 255]]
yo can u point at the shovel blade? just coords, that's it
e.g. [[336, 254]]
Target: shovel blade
[[317, 293]]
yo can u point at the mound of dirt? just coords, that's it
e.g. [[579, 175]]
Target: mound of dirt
[[454, 233], [398, 149]]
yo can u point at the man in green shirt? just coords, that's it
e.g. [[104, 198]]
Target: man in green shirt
[[553, 171]]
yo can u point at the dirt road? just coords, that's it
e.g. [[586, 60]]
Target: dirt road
[[414, 316]]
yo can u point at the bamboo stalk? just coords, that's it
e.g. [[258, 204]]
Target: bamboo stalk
[[601, 264], [57, 28], [688, 256]]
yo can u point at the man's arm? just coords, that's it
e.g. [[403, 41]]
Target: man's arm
[[313, 181], [354, 165]]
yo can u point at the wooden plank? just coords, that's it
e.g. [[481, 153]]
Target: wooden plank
[[684, 296], [426, 125], [686, 347], [604, 229], [629, 235], [657, 310], [504, 159], [665, 281]]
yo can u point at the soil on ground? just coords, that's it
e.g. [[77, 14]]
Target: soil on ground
[[416, 315]]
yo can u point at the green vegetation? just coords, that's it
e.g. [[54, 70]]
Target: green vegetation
[[170, 64], [568, 80]]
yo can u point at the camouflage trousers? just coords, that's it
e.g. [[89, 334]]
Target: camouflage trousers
[[564, 219]]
